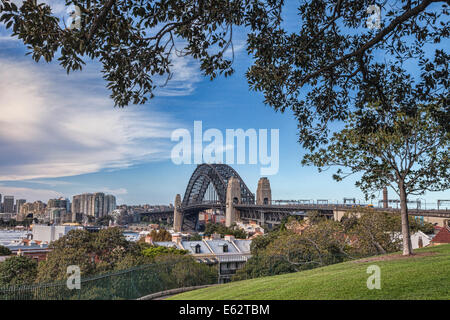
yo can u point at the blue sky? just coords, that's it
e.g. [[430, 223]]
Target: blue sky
[[61, 135]]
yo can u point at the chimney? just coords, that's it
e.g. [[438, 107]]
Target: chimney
[[385, 198], [176, 237]]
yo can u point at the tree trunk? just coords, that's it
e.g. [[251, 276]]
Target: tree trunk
[[407, 246]]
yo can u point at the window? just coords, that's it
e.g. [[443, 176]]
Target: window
[[225, 248], [197, 248]]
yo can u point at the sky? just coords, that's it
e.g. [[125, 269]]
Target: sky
[[61, 135]]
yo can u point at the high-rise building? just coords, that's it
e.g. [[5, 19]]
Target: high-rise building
[[93, 204], [58, 203], [8, 204], [1, 206], [19, 204], [110, 204]]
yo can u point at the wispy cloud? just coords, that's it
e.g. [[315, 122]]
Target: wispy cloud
[[52, 125], [30, 194], [185, 75]]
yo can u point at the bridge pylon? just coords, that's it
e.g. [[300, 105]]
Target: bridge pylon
[[263, 193], [177, 214], [233, 197]]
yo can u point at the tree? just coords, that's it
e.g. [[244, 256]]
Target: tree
[[17, 270], [195, 237], [161, 235], [406, 151], [92, 252], [154, 252], [223, 230], [317, 71], [104, 221], [371, 232], [4, 251]]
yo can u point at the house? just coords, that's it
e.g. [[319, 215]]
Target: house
[[442, 237], [420, 240], [32, 249], [229, 254]]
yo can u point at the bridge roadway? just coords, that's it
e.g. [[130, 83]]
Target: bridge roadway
[[273, 214]]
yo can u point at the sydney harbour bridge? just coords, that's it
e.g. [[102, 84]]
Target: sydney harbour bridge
[[219, 187]]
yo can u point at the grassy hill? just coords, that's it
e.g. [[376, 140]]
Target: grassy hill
[[424, 276]]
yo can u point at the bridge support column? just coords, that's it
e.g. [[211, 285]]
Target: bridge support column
[[233, 197], [263, 193], [177, 214]]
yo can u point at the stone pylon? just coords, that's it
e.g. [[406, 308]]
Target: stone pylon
[[177, 214], [385, 198], [233, 197], [263, 193]]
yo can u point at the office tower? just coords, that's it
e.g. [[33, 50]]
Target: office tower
[[19, 204], [8, 204]]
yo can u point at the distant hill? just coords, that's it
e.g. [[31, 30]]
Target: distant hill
[[424, 276]]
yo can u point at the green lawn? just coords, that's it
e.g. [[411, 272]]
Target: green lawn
[[422, 277]]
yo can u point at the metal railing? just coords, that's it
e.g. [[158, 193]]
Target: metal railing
[[126, 284]]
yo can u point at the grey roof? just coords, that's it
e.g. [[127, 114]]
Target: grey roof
[[243, 245], [190, 245], [217, 246], [27, 248], [168, 244]]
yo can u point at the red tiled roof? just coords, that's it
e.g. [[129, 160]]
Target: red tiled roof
[[443, 236]]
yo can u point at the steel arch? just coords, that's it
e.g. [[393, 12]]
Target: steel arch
[[218, 175]]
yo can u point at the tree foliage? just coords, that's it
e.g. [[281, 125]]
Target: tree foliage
[[17, 270], [135, 41], [161, 235], [320, 71], [223, 230], [318, 242], [334, 64], [153, 252], [4, 251], [94, 253]]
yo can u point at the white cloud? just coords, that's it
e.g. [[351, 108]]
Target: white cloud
[[185, 75], [52, 125], [29, 194]]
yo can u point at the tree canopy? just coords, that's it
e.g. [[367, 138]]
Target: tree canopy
[[17, 270], [329, 64]]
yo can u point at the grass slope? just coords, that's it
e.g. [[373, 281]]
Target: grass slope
[[421, 277]]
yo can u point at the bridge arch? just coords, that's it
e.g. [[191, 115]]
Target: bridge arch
[[217, 175]]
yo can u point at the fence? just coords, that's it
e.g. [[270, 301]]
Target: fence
[[126, 284]]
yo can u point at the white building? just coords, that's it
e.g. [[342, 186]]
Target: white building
[[47, 234], [229, 253], [420, 239]]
